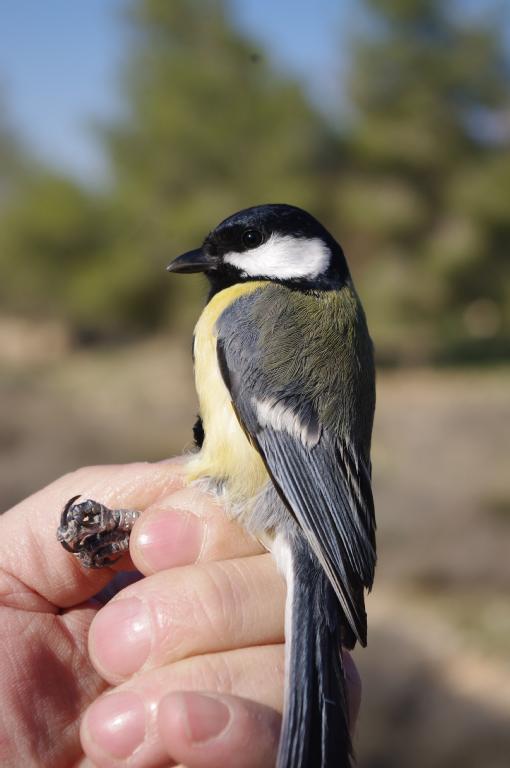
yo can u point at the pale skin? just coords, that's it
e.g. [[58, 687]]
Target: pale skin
[[184, 667]]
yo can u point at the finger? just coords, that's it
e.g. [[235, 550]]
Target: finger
[[218, 731], [37, 564], [126, 726], [188, 611], [121, 728], [185, 527]]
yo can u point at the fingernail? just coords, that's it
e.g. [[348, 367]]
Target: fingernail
[[206, 717], [170, 538], [116, 723], [120, 637]]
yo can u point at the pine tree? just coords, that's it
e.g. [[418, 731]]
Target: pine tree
[[425, 196], [210, 128], [11, 162]]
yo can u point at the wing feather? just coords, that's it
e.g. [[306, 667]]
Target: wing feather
[[323, 478], [315, 488]]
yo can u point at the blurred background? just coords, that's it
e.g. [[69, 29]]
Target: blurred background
[[128, 129]]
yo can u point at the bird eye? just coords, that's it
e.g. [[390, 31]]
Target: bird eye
[[252, 238]]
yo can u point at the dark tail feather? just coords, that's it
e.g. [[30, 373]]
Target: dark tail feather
[[315, 730]]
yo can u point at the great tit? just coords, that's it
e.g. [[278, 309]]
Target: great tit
[[285, 379]]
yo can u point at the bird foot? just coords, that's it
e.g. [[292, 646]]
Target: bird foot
[[95, 534]]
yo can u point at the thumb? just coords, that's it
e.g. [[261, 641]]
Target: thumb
[[30, 553]]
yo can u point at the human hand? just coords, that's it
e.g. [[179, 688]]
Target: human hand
[[46, 678], [194, 652], [216, 626]]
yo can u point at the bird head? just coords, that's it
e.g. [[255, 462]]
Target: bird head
[[274, 242]]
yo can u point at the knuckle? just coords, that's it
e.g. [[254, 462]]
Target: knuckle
[[211, 608], [216, 604], [211, 673], [196, 612]]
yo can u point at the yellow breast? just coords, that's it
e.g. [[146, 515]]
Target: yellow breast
[[226, 454]]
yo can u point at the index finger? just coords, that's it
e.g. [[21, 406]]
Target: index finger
[[29, 551]]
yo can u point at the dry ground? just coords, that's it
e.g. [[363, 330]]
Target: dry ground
[[437, 669]]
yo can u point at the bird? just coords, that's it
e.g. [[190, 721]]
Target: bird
[[285, 378]]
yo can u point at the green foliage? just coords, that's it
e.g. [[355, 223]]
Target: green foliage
[[212, 128], [46, 233], [11, 156], [58, 259], [425, 198], [416, 189], [209, 127]]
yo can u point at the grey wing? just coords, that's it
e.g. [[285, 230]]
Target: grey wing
[[323, 481]]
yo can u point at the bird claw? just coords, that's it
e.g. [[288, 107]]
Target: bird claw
[[96, 535]]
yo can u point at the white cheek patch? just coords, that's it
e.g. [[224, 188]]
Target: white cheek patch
[[283, 257]]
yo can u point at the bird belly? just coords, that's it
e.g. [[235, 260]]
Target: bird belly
[[227, 457]]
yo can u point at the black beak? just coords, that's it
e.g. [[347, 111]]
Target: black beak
[[192, 261]]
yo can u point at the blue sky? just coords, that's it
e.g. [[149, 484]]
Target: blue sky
[[59, 61]]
